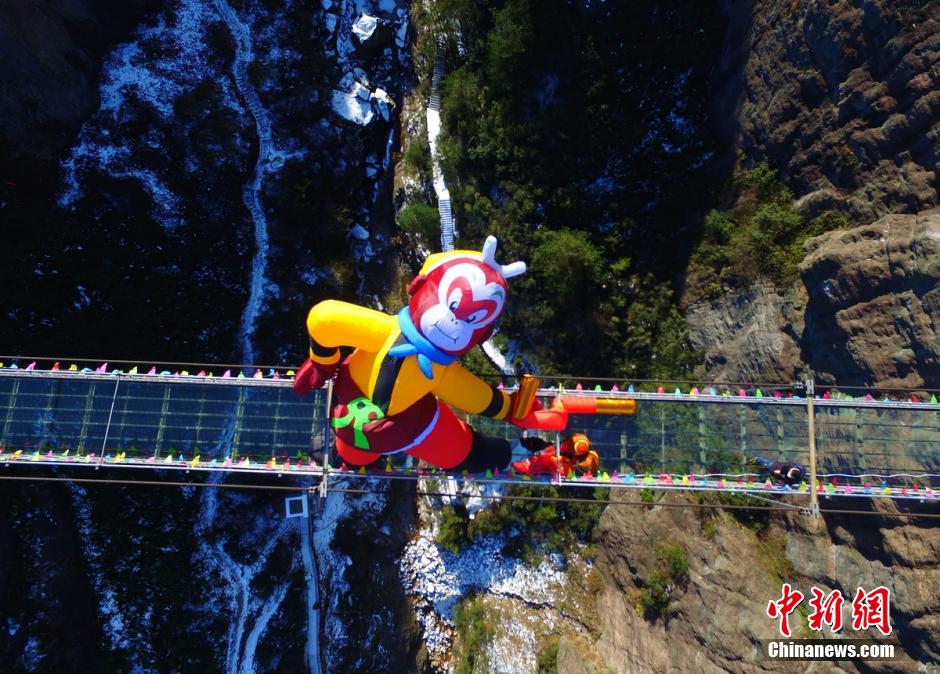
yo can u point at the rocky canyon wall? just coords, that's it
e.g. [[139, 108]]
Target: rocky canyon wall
[[843, 98]]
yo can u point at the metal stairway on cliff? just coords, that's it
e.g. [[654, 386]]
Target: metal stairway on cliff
[[448, 233]]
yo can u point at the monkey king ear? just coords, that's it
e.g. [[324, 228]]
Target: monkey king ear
[[416, 283]]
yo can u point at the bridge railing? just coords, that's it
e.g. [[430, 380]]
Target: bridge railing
[[157, 417], [675, 439]]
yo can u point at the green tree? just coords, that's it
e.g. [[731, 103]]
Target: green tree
[[567, 266], [556, 308], [422, 220], [583, 144], [453, 532]]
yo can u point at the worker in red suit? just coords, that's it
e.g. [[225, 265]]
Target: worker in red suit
[[574, 455]]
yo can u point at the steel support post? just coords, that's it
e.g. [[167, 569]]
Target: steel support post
[[328, 430], [811, 432]]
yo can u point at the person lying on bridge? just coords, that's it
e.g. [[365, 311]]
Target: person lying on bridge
[[782, 472], [575, 455]]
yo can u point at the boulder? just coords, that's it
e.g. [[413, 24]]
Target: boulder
[[383, 103], [364, 27], [352, 107], [874, 302]]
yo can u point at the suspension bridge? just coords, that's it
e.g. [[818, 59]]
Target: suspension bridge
[[243, 420]]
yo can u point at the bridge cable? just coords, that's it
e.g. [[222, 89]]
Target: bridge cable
[[782, 507]]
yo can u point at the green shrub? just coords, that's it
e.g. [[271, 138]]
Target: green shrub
[[473, 631], [761, 237], [422, 220], [418, 156], [547, 660], [719, 226], [669, 572], [755, 520], [828, 222], [765, 182], [710, 529], [532, 526], [675, 560], [595, 581], [773, 548], [764, 246], [654, 596]]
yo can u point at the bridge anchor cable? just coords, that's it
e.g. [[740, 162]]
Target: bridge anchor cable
[[107, 428]]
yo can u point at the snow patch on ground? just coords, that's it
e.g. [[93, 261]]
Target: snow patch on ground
[[474, 496], [439, 579], [514, 645], [268, 609], [130, 72], [155, 79], [499, 360], [93, 153], [336, 507], [444, 577], [242, 602], [434, 129], [32, 655], [112, 613]]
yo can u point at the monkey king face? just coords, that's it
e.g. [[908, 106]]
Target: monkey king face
[[455, 304]]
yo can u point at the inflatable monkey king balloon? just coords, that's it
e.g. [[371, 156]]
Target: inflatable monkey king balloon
[[392, 392]]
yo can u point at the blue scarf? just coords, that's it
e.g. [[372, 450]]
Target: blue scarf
[[418, 346]]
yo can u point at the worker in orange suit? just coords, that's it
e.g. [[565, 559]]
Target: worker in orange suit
[[393, 393], [575, 454]]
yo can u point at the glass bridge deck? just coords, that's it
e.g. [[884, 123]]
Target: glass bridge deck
[[863, 448]]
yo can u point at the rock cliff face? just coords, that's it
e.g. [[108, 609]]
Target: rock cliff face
[[844, 99], [750, 335], [717, 613], [712, 626], [842, 96], [865, 313], [874, 302]]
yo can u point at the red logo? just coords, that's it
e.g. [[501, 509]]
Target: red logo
[[869, 609], [826, 611], [783, 607]]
